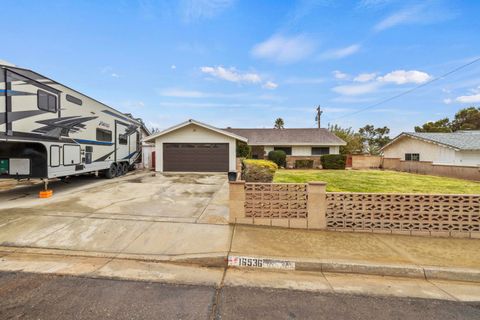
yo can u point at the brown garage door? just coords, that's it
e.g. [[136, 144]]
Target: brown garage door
[[195, 157]]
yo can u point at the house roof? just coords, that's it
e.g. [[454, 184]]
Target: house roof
[[460, 140], [287, 137], [198, 123]]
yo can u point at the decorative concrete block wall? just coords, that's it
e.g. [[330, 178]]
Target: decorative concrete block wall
[[309, 206]]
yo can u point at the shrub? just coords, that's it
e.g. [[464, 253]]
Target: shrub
[[278, 156], [304, 164], [244, 150], [258, 170], [333, 161]]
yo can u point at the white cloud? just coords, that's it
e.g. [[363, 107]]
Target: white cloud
[[403, 76], [474, 98], [356, 89], [201, 9], [373, 3], [397, 18], [181, 93], [284, 49], [340, 53], [196, 94], [365, 77], [232, 75], [370, 82], [447, 101], [425, 13], [109, 71], [340, 75], [173, 67], [270, 85]]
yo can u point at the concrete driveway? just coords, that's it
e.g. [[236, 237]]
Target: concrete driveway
[[141, 214]]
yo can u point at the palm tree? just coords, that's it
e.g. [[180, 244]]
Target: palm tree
[[279, 124]]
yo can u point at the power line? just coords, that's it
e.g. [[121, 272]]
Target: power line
[[410, 90]]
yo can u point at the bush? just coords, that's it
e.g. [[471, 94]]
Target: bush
[[304, 164], [244, 150], [258, 170], [278, 156], [333, 161]]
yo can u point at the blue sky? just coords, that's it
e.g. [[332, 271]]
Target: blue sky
[[245, 63]]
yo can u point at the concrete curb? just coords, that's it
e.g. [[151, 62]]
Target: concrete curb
[[216, 259], [219, 260], [393, 270]]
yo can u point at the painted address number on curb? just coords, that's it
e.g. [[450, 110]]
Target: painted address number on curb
[[238, 261]]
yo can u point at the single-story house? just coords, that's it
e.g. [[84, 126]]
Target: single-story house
[[193, 146], [298, 143], [454, 148]]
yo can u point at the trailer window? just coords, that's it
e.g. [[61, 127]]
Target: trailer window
[[46, 101], [73, 99], [122, 139], [104, 135]]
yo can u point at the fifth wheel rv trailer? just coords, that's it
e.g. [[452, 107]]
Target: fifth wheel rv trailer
[[48, 130]]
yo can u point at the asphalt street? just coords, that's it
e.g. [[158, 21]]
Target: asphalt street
[[36, 296]]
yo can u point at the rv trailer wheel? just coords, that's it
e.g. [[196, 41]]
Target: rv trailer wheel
[[119, 169], [111, 172], [125, 168]]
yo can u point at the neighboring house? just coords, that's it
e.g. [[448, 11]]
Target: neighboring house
[[193, 146], [456, 148]]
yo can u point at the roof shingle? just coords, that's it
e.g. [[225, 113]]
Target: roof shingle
[[287, 137], [462, 140]]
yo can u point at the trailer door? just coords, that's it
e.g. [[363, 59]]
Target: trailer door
[[3, 110], [121, 141]]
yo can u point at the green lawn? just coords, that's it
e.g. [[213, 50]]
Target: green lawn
[[379, 181]]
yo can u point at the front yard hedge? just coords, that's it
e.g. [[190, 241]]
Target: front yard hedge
[[279, 157], [333, 161], [258, 170], [304, 164]]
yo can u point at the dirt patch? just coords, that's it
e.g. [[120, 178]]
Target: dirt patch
[[136, 180]]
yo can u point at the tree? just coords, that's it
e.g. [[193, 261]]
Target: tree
[[467, 119], [442, 125], [353, 139], [243, 150], [279, 123], [374, 138]]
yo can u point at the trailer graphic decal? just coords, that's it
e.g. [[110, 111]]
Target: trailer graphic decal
[[18, 115], [62, 126]]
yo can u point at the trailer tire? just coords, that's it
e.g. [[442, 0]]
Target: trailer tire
[[119, 166], [125, 168], [111, 172]]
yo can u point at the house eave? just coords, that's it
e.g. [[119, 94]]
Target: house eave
[[269, 144], [405, 134], [198, 123]]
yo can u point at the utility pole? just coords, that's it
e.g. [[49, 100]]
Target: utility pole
[[318, 116]]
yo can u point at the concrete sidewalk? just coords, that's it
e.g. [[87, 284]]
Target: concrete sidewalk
[[365, 253]]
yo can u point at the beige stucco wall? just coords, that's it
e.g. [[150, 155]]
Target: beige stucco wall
[[194, 134], [428, 151], [304, 151], [467, 157]]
